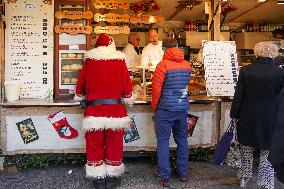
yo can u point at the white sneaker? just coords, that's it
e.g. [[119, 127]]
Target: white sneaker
[[243, 183]]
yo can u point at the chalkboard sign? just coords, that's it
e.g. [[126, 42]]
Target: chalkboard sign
[[221, 67], [29, 46]]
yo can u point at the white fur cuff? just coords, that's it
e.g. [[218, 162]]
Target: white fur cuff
[[79, 98], [129, 101], [115, 171], [96, 172], [91, 123]]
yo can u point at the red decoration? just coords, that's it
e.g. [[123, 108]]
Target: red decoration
[[144, 6]]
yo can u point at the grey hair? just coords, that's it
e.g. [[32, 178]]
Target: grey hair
[[266, 49]]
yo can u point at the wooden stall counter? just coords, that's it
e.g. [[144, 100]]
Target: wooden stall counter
[[35, 112]]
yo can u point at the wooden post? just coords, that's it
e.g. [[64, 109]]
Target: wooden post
[[2, 57], [214, 20]]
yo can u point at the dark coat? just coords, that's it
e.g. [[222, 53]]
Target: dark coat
[[256, 91], [276, 153]]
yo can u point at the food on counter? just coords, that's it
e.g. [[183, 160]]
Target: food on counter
[[80, 55], [64, 55], [137, 91], [67, 80], [72, 55], [74, 80], [75, 67], [66, 67], [148, 88], [79, 66], [135, 81], [197, 86]]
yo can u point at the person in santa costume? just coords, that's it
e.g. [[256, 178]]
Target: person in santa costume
[[104, 81]]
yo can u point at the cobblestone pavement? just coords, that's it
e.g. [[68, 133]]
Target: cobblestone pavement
[[138, 176]]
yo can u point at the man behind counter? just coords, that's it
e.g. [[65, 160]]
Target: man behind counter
[[153, 53], [131, 51]]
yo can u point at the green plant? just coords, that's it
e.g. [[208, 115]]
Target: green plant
[[25, 161], [200, 154]]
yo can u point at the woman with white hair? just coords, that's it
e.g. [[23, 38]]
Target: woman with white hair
[[252, 107]]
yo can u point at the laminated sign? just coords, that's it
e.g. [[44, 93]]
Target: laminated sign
[[27, 131], [221, 67]]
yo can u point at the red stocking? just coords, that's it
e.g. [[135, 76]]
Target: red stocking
[[60, 123]]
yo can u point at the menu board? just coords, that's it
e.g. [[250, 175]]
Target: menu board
[[221, 67], [29, 46]]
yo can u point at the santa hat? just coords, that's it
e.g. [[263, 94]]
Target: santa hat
[[103, 40], [104, 49]]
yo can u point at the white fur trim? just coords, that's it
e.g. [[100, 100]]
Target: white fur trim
[[79, 98], [105, 53], [97, 123], [57, 117], [115, 171], [129, 101], [96, 172]]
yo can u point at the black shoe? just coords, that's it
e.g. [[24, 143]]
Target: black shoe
[[99, 184], [112, 182]]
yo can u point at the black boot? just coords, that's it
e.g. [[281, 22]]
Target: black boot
[[112, 182], [99, 184]]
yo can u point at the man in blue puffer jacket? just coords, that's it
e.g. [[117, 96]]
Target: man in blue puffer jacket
[[170, 103]]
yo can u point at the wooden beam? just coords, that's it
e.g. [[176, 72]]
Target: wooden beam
[[214, 20], [247, 11]]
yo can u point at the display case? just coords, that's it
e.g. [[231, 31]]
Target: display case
[[197, 84], [69, 48], [142, 81], [70, 64]]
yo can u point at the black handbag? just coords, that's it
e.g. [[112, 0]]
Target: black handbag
[[224, 145]]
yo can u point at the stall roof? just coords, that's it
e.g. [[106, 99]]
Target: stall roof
[[247, 10]]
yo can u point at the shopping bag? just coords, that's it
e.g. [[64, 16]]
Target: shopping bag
[[132, 133], [224, 145]]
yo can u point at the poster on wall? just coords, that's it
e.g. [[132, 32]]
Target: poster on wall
[[221, 67], [27, 130], [29, 46]]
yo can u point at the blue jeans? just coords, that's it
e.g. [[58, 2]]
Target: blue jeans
[[165, 121]]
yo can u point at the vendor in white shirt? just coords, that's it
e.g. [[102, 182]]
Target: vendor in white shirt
[[153, 53], [131, 51]]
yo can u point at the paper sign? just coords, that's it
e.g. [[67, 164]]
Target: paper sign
[[221, 67]]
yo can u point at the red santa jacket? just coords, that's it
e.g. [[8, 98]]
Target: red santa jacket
[[104, 76]]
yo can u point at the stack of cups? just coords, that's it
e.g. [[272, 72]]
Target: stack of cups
[[12, 90]]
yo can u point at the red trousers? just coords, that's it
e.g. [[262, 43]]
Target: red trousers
[[104, 150]]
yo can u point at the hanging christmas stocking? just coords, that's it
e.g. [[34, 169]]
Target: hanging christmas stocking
[[61, 125]]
